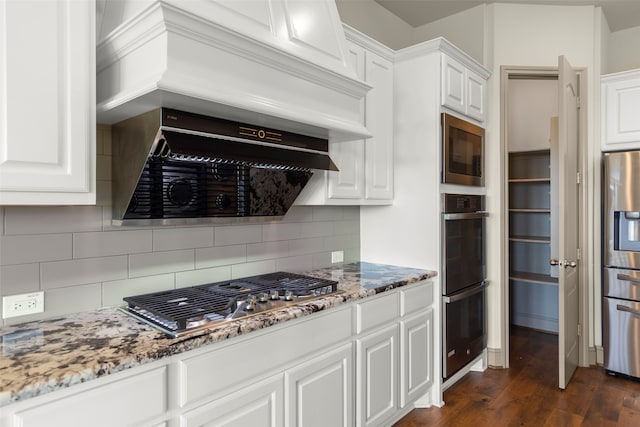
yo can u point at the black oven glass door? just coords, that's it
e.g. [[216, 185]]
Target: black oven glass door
[[465, 335], [463, 150], [463, 248]]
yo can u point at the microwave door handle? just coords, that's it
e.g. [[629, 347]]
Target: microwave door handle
[[465, 215], [628, 278], [621, 307], [462, 295]]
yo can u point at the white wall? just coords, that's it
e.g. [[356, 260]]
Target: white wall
[[528, 35], [623, 51], [464, 29], [81, 262], [377, 22]]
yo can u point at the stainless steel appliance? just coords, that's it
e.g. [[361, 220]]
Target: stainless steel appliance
[[464, 281], [175, 167], [177, 311], [462, 152], [621, 263]]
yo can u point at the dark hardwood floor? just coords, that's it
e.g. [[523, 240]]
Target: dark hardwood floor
[[527, 393]]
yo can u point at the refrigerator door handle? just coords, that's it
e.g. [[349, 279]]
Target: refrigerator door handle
[[621, 307], [628, 278]]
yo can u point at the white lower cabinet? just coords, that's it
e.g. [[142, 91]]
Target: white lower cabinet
[[297, 374], [319, 392], [377, 374], [137, 400], [416, 365], [258, 405]]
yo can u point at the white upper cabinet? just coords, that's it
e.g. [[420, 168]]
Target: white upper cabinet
[[365, 166], [463, 90], [620, 101], [47, 109]]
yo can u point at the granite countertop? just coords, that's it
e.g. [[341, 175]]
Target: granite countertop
[[56, 353]]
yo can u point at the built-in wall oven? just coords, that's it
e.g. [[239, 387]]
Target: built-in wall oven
[[462, 152], [463, 281]]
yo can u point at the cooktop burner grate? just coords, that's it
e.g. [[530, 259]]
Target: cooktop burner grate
[[176, 309]]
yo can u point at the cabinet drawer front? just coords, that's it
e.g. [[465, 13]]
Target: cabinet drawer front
[[377, 312], [127, 402], [216, 372], [417, 297]]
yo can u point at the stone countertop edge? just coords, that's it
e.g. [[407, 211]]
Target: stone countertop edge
[[56, 353]]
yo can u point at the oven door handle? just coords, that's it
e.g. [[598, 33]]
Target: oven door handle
[[462, 295], [465, 215], [621, 307]]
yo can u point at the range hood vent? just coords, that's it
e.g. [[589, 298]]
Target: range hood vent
[[175, 167]]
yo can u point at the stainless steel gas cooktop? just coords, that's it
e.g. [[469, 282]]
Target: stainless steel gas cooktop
[[177, 311]]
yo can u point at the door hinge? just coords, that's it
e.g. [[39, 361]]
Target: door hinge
[[579, 330], [578, 102], [579, 254], [578, 178]]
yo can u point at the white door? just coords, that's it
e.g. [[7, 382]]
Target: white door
[[568, 221]]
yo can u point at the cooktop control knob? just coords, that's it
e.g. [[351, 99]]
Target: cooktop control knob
[[288, 295], [250, 303], [222, 201], [263, 297], [274, 294]]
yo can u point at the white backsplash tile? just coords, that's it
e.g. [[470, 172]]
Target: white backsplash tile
[[281, 231], [152, 263], [346, 227], [237, 234], [113, 292], [328, 213], [267, 250], [295, 264], [81, 271], [221, 255], [89, 245], [202, 276], [299, 214], [306, 246], [252, 268], [19, 278], [23, 249], [167, 239], [317, 229], [52, 219]]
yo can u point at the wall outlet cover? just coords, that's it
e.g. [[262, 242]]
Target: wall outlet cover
[[22, 304]]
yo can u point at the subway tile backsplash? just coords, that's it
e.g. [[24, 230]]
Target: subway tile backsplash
[[82, 262]]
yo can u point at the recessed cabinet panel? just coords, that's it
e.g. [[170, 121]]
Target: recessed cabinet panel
[[47, 88], [475, 96], [377, 312], [130, 401], [258, 405], [620, 106], [377, 381], [319, 392], [416, 370], [453, 94]]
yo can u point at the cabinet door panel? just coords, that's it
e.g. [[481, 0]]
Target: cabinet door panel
[[319, 392], [259, 405], [417, 358], [47, 107], [453, 85], [620, 105], [377, 376], [475, 96], [378, 119], [137, 398]]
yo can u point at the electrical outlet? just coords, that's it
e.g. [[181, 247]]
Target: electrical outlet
[[337, 256], [20, 305]]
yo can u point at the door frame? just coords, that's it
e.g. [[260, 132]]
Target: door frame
[[583, 204]]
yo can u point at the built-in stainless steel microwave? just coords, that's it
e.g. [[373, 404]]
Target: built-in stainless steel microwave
[[462, 152]]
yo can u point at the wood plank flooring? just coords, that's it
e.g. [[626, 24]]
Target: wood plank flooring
[[527, 393]]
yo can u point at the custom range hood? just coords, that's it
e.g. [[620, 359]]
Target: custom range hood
[[281, 64], [174, 167]]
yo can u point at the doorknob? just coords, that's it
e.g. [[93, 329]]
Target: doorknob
[[564, 263]]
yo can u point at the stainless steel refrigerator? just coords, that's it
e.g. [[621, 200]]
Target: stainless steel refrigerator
[[621, 263]]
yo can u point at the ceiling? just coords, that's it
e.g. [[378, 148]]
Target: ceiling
[[620, 14]]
